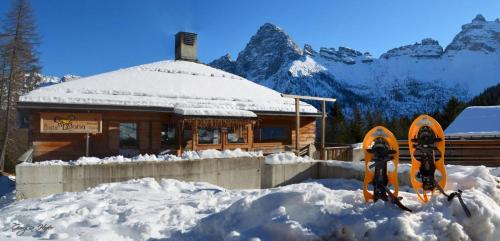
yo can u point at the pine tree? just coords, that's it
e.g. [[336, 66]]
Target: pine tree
[[356, 127], [335, 124], [490, 96], [19, 40], [451, 110]]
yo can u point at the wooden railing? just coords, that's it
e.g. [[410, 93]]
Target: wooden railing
[[341, 153], [463, 152]]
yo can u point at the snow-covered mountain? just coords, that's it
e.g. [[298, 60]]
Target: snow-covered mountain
[[47, 80], [414, 78]]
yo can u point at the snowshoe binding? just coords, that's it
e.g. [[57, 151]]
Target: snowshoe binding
[[427, 146], [381, 147]]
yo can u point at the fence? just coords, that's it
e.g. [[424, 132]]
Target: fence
[[464, 152], [341, 153]]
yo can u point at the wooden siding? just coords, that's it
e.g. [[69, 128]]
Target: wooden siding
[[307, 133], [144, 135], [71, 146]]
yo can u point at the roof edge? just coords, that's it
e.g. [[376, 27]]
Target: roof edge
[[62, 106]]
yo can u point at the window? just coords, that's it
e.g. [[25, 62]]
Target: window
[[270, 133], [128, 135], [187, 135], [208, 136], [237, 135], [167, 135]]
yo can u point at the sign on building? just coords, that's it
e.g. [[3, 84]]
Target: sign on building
[[51, 122]]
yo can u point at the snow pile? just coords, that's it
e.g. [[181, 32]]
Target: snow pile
[[334, 209], [286, 158], [314, 211], [207, 154], [132, 210], [331, 209], [186, 156]]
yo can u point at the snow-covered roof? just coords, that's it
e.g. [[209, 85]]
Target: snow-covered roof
[[187, 87], [476, 121], [186, 111]]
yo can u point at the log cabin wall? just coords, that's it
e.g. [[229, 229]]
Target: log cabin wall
[[307, 133], [49, 146]]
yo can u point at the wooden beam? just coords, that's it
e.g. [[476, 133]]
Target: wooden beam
[[323, 129], [297, 125], [308, 97], [87, 143]]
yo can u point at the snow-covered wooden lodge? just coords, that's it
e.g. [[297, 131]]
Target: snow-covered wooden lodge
[[473, 138], [162, 107]]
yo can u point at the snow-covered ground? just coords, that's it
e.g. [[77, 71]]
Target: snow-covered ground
[[186, 156], [330, 209]]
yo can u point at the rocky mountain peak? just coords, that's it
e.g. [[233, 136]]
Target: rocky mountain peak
[[269, 27], [308, 50], [225, 63], [479, 35], [345, 55], [427, 48], [267, 50], [479, 18], [394, 86]]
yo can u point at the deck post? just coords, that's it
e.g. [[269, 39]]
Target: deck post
[[297, 125], [87, 142], [323, 129], [297, 98]]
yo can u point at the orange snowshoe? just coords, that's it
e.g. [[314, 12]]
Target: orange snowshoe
[[426, 143], [381, 148]]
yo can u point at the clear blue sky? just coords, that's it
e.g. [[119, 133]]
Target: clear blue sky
[[86, 37]]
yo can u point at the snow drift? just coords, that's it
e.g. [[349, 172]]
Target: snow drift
[[331, 209]]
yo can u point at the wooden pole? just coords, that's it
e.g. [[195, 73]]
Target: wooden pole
[[323, 130], [297, 125], [87, 142], [297, 116]]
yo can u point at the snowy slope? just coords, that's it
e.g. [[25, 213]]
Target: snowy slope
[[410, 79], [331, 209]]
